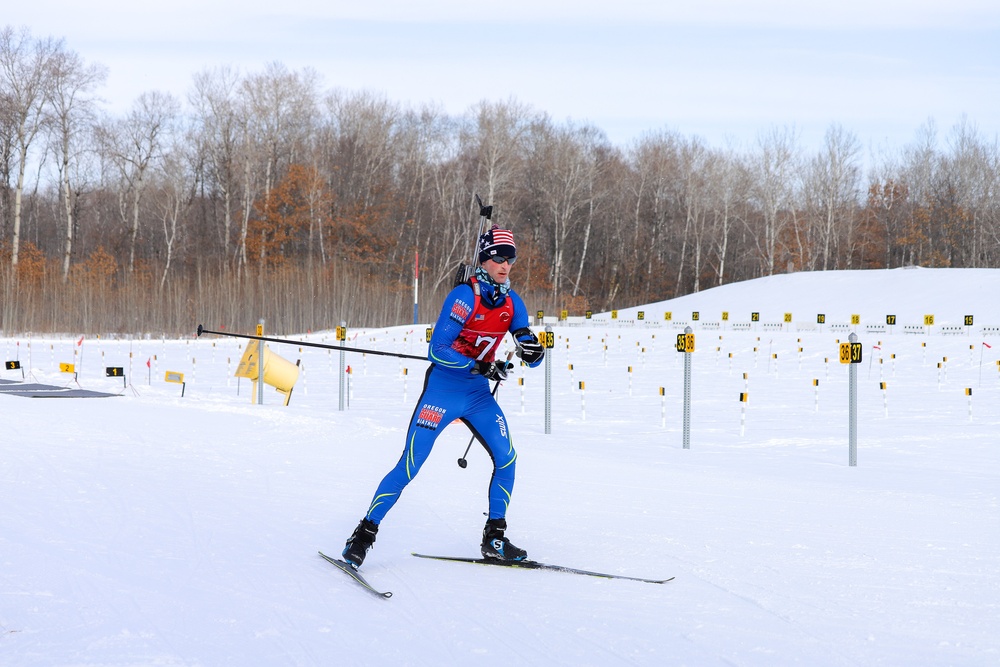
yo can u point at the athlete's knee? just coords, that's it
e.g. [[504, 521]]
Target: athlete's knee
[[505, 462]]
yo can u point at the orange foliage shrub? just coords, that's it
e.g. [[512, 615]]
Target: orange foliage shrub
[[31, 264], [98, 270]]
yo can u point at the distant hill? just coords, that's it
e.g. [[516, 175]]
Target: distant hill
[[908, 293]]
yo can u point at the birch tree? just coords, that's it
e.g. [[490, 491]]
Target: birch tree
[[25, 84], [727, 190], [174, 183]]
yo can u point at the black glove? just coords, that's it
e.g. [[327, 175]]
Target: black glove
[[496, 370], [529, 350]]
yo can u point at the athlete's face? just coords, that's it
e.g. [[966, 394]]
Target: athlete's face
[[498, 272]]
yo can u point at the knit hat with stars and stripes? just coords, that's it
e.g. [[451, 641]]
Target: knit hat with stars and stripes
[[497, 242]]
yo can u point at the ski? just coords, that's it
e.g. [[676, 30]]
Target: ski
[[356, 576], [535, 565]]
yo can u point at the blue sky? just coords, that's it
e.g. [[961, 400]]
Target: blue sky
[[722, 69]]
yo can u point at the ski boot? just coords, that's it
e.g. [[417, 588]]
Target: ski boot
[[359, 543], [496, 546]]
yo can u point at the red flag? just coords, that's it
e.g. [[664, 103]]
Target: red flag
[[79, 342], [147, 362], [987, 345]]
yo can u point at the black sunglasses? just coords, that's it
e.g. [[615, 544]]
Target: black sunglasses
[[500, 259]]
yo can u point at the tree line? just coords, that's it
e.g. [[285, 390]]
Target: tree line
[[260, 195]]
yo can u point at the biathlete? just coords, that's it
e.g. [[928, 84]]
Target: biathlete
[[474, 319]]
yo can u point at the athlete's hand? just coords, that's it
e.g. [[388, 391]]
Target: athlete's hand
[[529, 350], [496, 370]]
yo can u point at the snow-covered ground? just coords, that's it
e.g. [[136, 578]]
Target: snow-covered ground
[[151, 529]]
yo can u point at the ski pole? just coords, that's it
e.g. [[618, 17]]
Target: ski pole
[[303, 343], [462, 462]]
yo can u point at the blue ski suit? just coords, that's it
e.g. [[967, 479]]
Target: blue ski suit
[[470, 328]]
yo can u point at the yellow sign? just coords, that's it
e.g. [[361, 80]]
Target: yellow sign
[[548, 338], [755, 317], [67, 368], [642, 315], [685, 342], [968, 320], [667, 316], [172, 376], [540, 314], [788, 317], [855, 319], [695, 316], [428, 333], [563, 314], [820, 318], [341, 333], [928, 320], [890, 320], [725, 316], [614, 314], [850, 353], [260, 329]]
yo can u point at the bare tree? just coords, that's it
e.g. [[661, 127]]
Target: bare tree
[[972, 177], [693, 201], [657, 246], [440, 169], [73, 114], [773, 169], [283, 105], [566, 164], [727, 189], [365, 138], [833, 189], [277, 109], [132, 145], [918, 170], [499, 134], [25, 75], [173, 185], [215, 103]]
